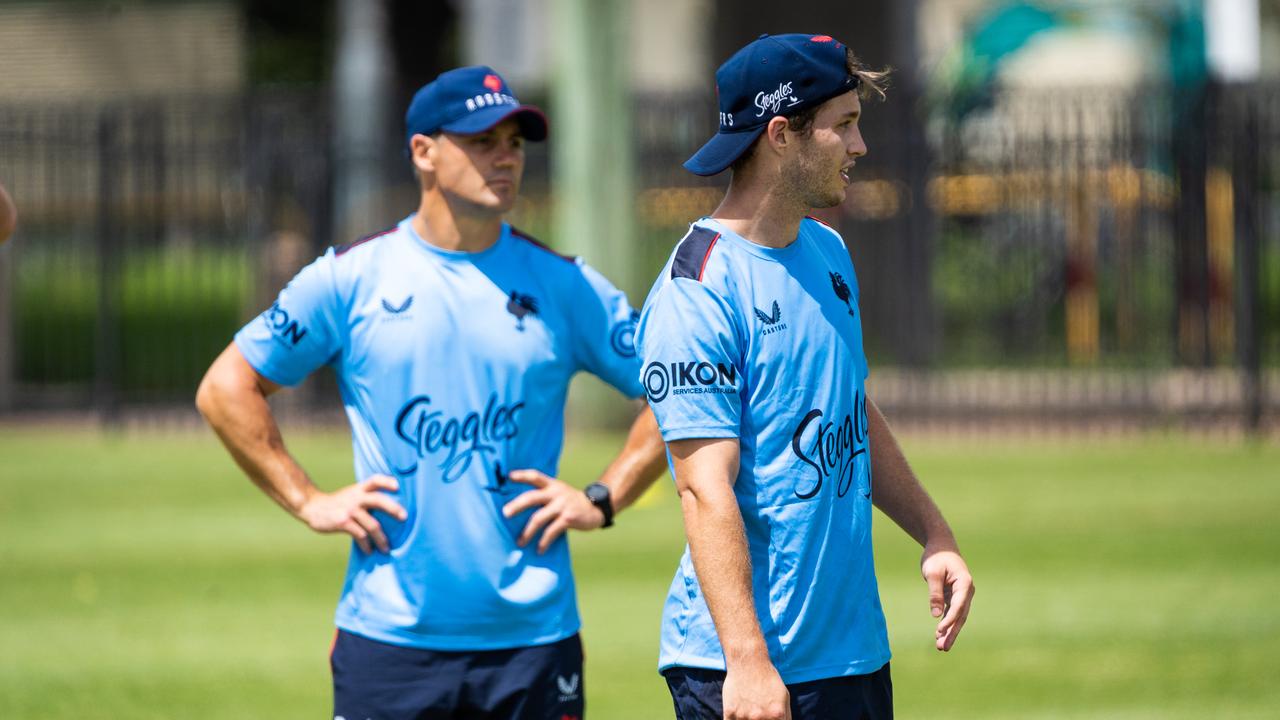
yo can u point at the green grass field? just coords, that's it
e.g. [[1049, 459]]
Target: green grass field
[[142, 577]]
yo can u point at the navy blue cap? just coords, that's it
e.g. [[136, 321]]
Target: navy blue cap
[[774, 75], [470, 100]]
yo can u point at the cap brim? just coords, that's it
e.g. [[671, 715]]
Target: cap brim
[[533, 124], [720, 152]]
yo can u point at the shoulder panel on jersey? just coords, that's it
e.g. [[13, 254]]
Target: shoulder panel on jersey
[[343, 249], [693, 252], [516, 232]]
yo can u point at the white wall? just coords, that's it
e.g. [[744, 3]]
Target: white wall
[[669, 43]]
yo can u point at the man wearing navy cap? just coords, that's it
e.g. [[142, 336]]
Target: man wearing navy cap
[[751, 341], [453, 336]]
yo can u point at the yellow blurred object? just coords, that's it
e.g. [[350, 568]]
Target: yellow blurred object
[[1220, 237], [8, 215]]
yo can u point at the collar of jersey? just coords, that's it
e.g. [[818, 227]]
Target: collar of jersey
[[452, 255], [762, 251]]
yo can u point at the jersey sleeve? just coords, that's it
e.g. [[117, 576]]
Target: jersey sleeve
[[692, 354], [604, 337], [298, 333]]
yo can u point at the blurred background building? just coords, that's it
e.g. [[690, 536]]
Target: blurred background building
[[1069, 216]]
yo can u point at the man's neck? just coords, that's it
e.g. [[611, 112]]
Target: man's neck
[[440, 225], [759, 212]]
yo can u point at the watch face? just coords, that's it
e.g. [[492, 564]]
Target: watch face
[[597, 492]]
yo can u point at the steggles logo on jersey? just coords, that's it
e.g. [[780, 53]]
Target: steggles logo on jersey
[[831, 447], [285, 329], [622, 338], [688, 378], [460, 439], [772, 101], [772, 323], [520, 305], [842, 290]]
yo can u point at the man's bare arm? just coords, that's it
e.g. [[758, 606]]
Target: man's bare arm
[[899, 495], [8, 216], [233, 399], [562, 506], [642, 461], [705, 471]]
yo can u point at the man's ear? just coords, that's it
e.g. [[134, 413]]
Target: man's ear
[[775, 133], [423, 149]]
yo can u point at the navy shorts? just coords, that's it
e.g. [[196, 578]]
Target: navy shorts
[[377, 681], [699, 695]]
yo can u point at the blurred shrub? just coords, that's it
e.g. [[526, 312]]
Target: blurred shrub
[[177, 308]]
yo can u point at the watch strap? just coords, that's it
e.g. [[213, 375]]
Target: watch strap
[[599, 495]]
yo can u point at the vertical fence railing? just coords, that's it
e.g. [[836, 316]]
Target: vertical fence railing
[[1049, 234], [142, 227], [1246, 175]]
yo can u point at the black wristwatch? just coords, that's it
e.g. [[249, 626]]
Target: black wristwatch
[[598, 494]]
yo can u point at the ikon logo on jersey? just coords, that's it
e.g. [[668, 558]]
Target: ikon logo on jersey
[[284, 328], [688, 378], [622, 338]]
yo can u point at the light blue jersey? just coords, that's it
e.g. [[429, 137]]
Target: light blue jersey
[[453, 368], [765, 345]]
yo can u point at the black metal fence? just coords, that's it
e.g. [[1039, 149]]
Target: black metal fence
[[1125, 242], [142, 237], [1107, 231]]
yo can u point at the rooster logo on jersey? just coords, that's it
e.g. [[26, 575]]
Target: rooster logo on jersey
[[842, 290], [519, 304]]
